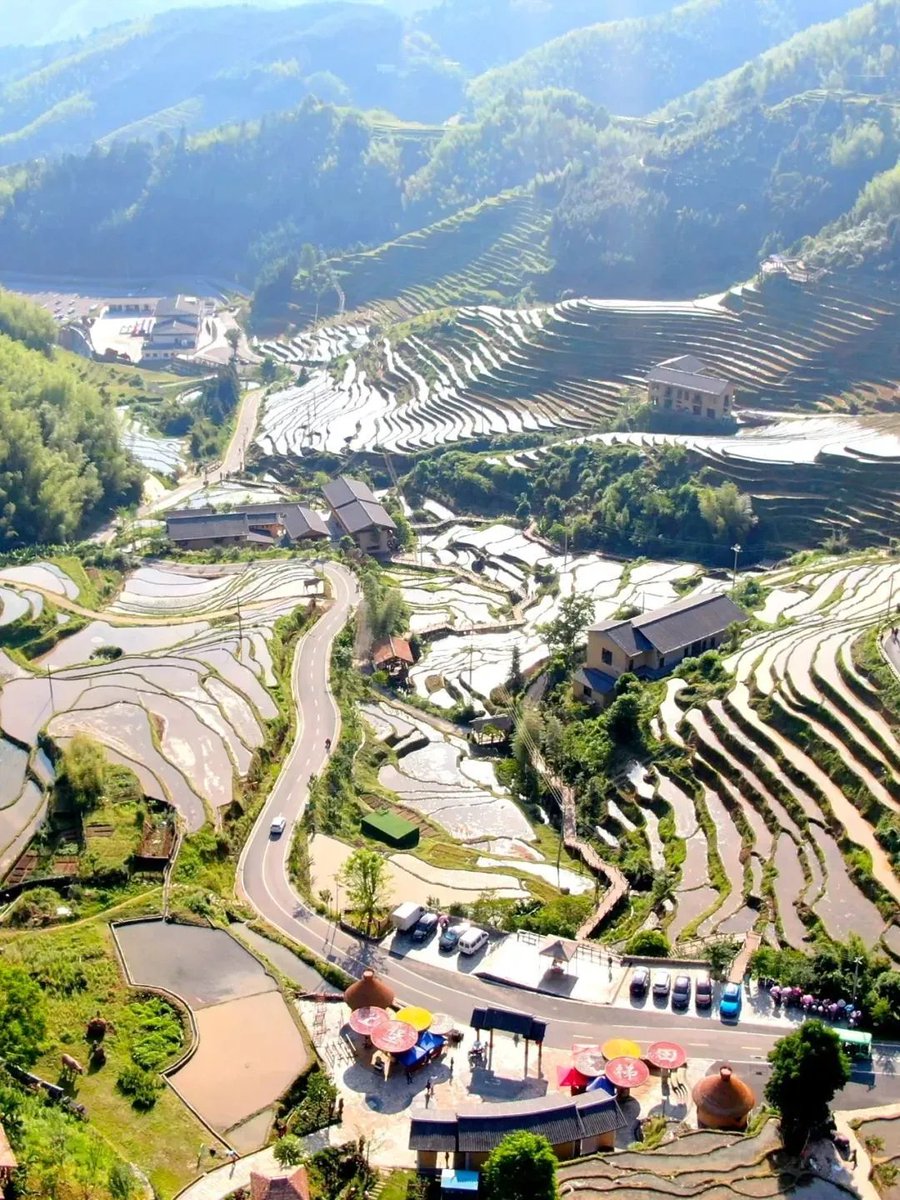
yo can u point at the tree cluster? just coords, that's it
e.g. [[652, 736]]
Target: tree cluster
[[61, 464], [849, 971], [595, 496]]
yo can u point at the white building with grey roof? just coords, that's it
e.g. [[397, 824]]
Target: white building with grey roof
[[686, 385]]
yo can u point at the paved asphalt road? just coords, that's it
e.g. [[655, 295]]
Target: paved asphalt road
[[263, 880]]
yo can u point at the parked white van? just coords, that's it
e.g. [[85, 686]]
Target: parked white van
[[472, 941]]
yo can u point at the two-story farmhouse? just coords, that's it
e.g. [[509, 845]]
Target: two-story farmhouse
[[176, 328], [685, 385], [359, 515], [653, 643]]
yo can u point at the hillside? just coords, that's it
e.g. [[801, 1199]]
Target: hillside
[[46, 21], [633, 66], [196, 69], [868, 236], [685, 202], [508, 28], [61, 466]]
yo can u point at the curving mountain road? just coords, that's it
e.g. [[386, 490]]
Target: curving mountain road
[[263, 880]]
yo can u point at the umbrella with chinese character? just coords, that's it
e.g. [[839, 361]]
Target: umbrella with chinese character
[[668, 1056], [627, 1072], [441, 1023], [590, 1062], [395, 1037], [368, 1020]]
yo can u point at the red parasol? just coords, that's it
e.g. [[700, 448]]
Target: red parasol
[[590, 1062], [668, 1056], [395, 1037], [627, 1072], [570, 1077], [368, 1020]]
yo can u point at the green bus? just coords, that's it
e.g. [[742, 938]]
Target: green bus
[[857, 1044]]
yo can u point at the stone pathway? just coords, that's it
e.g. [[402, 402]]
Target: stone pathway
[[222, 1181]]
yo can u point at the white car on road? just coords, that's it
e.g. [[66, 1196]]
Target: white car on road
[[278, 826]]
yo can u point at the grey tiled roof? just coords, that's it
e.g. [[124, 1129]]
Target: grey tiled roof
[[559, 1118], [363, 514], [345, 490], [624, 635], [687, 621], [705, 384]]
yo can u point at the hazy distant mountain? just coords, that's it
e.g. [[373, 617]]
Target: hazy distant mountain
[[192, 69], [38, 22]]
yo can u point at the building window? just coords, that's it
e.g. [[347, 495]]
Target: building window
[[662, 660], [711, 413], [606, 657], [587, 692], [696, 397], [698, 409], [668, 402]]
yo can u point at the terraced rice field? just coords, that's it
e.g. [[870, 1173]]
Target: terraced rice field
[[706, 1165], [767, 752], [436, 776], [161, 455], [184, 705], [491, 249], [480, 598], [563, 367]]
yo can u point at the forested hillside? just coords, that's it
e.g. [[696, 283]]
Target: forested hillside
[[634, 66], [508, 28], [44, 21], [800, 140], [61, 465], [195, 69]]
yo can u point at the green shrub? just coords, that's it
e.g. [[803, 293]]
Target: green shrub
[[140, 1086], [650, 943], [157, 1033]]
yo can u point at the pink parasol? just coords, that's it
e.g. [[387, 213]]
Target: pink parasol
[[590, 1062], [668, 1056], [627, 1072], [442, 1024], [368, 1020], [395, 1037]]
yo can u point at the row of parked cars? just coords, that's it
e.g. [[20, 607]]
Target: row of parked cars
[[422, 925], [661, 986]]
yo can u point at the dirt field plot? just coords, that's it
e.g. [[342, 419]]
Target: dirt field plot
[[250, 1052], [202, 966]]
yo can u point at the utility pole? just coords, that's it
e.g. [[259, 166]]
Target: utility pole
[[240, 629], [856, 963], [890, 603], [737, 549], [471, 651], [50, 682]]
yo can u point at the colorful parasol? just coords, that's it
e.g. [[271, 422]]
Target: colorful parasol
[[621, 1048], [627, 1072], [395, 1037], [668, 1056], [570, 1077], [590, 1062], [442, 1023], [369, 1019], [419, 1018]]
